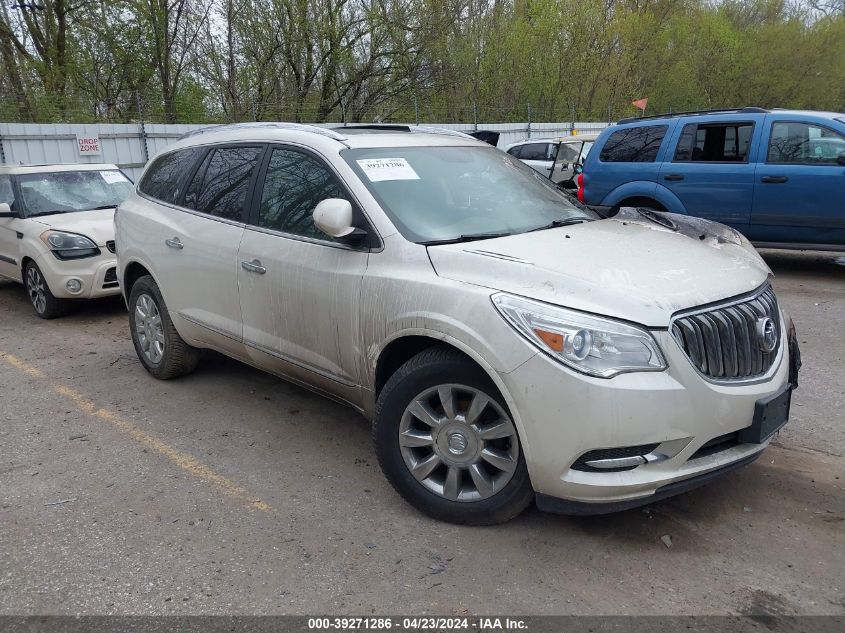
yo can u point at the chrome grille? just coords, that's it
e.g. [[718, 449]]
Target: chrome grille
[[723, 342]]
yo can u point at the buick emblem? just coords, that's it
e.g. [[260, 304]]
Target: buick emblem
[[457, 443], [767, 335]]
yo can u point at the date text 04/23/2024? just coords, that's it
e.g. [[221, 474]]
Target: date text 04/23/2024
[[425, 623]]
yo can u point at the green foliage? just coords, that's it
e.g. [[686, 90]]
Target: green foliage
[[432, 60]]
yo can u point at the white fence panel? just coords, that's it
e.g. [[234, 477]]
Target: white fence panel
[[130, 145]]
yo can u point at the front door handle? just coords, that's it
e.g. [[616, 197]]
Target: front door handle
[[175, 243], [673, 177], [774, 179], [254, 267]]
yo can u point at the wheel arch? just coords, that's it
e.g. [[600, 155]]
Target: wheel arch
[[132, 272], [23, 263], [405, 345]]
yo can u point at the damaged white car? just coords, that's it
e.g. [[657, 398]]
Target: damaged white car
[[57, 231], [508, 344]]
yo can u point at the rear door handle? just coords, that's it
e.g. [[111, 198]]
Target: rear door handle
[[673, 177], [175, 243], [774, 179], [254, 267]]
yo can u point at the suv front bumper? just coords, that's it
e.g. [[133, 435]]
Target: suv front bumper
[[562, 415]]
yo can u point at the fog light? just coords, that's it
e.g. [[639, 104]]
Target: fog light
[[74, 286]]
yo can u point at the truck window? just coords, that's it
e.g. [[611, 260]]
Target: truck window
[[804, 144], [714, 143], [633, 144]]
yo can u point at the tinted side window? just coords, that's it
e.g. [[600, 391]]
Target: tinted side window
[[7, 194], [162, 179], [633, 144], [221, 184], [714, 143], [805, 144], [537, 151], [515, 151], [294, 184]]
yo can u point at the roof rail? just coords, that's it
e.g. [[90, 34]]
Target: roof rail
[[425, 129], [314, 129], [398, 127], [377, 127], [668, 115]]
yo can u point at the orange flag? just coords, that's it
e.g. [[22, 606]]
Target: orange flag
[[640, 104]]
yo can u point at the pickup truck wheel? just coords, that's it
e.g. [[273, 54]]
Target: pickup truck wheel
[[446, 441], [46, 305], [160, 349]]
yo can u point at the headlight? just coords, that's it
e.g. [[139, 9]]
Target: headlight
[[69, 245], [589, 344]]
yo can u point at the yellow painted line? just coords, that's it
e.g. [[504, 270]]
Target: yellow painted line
[[183, 460], [18, 364]]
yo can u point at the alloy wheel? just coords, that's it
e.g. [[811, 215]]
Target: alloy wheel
[[149, 328], [37, 290], [458, 443]]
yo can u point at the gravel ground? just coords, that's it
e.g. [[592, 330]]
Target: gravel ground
[[230, 491]]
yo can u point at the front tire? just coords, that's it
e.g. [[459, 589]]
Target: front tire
[[446, 441], [45, 304], [160, 349]]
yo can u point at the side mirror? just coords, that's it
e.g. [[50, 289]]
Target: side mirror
[[6, 211], [333, 217], [841, 158]]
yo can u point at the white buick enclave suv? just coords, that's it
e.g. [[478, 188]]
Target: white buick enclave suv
[[507, 343]]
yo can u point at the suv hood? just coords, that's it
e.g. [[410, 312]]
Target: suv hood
[[629, 267], [97, 225]]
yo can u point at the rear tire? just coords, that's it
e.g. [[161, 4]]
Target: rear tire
[[441, 417], [161, 350], [43, 302]]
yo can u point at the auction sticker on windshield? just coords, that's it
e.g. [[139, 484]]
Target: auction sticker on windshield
[[379, 169], [112, 177]]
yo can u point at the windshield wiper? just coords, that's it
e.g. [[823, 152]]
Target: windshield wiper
[[103, 206], [465, 238], [557, 223], [40, 213]]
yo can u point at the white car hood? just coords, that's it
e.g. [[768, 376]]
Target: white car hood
[[628, 267], [97, 225]]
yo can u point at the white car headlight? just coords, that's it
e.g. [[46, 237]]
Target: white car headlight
[[589, 344], [69, 245]]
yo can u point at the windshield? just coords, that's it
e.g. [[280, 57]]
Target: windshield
[[448, 193], [69, 191]]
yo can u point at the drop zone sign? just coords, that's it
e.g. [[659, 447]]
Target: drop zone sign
[[88, 145]]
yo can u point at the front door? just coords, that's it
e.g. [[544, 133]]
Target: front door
[[800, 188], [300, 289], [9, 249]]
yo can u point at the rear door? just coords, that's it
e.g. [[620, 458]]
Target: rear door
[[710, 171], [299, 288], [195, 250], [800, 188]]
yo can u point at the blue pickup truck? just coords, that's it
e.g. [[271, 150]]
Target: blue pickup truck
[[778, 176]]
